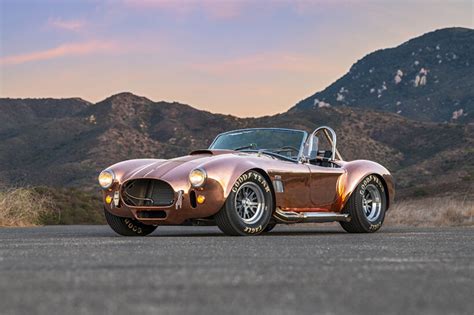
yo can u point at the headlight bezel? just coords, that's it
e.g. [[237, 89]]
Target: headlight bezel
[[112, 178], [197, 184]]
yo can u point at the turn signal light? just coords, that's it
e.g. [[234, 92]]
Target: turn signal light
[[108, 199], [200, 199]]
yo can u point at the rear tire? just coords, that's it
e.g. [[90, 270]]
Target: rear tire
[[248, 208], [127, 226], [366, 206]]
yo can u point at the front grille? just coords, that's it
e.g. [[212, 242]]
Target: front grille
[[147, 192]]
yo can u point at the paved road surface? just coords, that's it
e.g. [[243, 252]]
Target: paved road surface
[[305, 270]]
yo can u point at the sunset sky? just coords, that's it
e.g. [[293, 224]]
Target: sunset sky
[[246, 58]]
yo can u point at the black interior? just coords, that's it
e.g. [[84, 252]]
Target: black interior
[[323, 158]]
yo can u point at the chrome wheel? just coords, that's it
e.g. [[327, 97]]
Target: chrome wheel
[[250, 202], [372, 203]]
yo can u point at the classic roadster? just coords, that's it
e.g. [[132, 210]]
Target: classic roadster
[[248, 181]]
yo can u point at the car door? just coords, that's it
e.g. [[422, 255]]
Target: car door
[[292, 185], [324, 186]]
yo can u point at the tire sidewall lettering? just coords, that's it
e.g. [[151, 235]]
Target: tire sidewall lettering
[[253, 230], [133, 227], [375, 180], [251, 175], [371, 179]]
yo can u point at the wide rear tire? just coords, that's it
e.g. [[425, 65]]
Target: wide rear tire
[[366, 206], [248, 208], [128, 226]]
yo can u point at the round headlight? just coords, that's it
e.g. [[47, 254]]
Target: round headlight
[[197, 177], [106, 179]]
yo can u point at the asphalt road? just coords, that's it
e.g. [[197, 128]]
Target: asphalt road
[[304, 270]]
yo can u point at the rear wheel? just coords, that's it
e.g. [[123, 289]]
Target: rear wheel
[[248, 207], [366, 206], [127, 226]]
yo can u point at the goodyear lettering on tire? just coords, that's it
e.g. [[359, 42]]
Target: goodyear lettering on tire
[[251, 174], [130, 225], [367, 180], [253, 230], [375, 227]]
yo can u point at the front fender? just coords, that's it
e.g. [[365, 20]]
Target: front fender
[[227, 170]]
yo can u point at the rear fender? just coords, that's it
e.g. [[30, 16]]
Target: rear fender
[[355, 173]]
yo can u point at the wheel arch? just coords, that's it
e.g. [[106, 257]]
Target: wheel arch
[[357, 171]]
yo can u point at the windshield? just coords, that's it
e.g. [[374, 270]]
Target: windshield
[[284, 142]]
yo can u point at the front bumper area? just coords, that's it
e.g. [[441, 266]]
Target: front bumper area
[[182, 208]]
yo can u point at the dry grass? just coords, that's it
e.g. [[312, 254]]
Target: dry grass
[[24, 207], [433, 211]]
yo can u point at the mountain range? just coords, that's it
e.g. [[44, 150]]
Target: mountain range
[[66, 142], [428, 78]]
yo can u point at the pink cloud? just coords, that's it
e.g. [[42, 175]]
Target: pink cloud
[[212, 8], [74, 49], [68, 25], [276, 61]]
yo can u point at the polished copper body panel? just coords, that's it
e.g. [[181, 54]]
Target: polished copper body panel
[[307, 187]]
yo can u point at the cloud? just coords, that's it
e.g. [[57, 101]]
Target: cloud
[[71, 49], [67, 25], [274, 61], [214, 9]]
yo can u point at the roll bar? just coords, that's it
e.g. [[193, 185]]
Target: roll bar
[[330, 135]]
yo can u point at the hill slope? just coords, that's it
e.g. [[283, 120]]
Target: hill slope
[[70, 149], [429, 78]]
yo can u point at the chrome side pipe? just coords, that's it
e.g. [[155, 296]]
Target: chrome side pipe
[[299, 217]]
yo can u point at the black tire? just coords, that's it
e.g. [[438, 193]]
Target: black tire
[[230, 219], [127, 226], [365, 219], [270, 226]]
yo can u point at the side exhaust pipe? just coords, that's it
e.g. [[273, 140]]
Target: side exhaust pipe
[[299, 217]]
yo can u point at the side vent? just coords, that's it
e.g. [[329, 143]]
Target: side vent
[[278, 184]]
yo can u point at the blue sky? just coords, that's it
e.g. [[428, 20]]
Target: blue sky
[[246, 58]]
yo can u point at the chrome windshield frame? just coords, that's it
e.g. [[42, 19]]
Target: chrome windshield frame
[[301, 149]]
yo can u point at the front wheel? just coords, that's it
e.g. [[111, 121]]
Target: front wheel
[[366, 206], [248, 208], [127, 226], [270, 226]]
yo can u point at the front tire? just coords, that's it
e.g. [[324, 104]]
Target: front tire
[[270, 226], [366, 206], [248, 208], [127, 226]]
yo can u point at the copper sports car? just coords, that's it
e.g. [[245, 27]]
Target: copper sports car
[[247, 182]]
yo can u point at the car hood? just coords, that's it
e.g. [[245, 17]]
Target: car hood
[[159, 168]]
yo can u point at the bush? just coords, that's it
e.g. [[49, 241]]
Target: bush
[[75, 206], [25, 207], [432, 211], [49, 206]]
